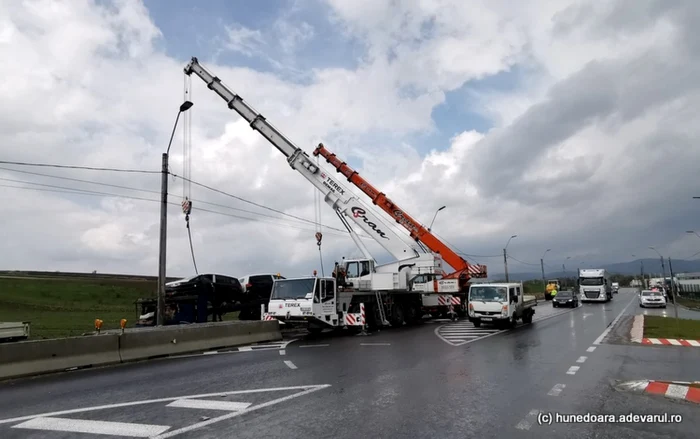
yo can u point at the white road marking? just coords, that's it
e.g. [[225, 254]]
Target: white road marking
[[314, 345], [375, 344], [93, 427], [305, 389], [463, 332], [677, 392], [614, 322], [582, 359], [572, 370], [290, 364], [210, 352], [591, 349], [556, 390], [283, 352], [530, 419], [205, 404], [235, 414]]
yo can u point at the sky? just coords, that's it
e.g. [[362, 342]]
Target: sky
[[571, 124]]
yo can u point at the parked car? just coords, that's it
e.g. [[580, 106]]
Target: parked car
[[565, 298], [257, 289], [652, 298]]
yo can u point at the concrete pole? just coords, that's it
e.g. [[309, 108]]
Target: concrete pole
[[160, 313], [505, 263]]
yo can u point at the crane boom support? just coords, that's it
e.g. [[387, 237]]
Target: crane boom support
[[340, 198], [416, 229]]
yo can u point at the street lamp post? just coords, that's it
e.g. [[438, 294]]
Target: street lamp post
[[544, 283], [160, 311], [505, 256], [435, 216]]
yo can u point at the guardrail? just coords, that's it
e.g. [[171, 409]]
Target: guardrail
[[27, 358]]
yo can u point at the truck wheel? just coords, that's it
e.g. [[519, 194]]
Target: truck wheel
[[513, 322], [413, 314], [397, 315], [527, 318]]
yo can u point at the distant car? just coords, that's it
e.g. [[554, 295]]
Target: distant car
[[616, 287], [649, 298], [565, 299]]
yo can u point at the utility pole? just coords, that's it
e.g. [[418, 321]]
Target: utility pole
[[673, 290], [505, 256], [544, 282], [160, 311]]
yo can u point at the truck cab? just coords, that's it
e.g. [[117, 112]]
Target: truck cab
[[501, 304], [594, 285], [306, 301]]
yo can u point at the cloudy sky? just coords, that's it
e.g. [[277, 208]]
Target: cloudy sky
[[572, 124]]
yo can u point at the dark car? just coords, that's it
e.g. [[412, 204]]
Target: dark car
[[257, 289], [565, 299], [224, 293]]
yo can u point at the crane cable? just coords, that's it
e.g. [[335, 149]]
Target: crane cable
[[187, 165], [317, 218]]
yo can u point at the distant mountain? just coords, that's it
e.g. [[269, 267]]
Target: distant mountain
[[651, 266]]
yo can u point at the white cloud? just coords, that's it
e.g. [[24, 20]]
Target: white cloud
[[593, 154]]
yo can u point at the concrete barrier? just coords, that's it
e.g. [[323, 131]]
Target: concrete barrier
[[169, 340], [43, 356], [33, 357]]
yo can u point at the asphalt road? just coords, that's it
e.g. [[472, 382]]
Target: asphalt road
[[411, 382]]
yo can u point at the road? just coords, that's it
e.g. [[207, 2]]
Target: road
[[441, 379]]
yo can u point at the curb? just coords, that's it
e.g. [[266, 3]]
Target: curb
[[637, 336], [678, 390], [671, 342]]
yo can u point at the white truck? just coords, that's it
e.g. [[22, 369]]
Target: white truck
[[616, 287], [395, 292], [594, 285], [501, 304], [14, 331]]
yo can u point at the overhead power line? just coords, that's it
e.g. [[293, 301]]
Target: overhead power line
[[522, 262], [158, 192], [75, 191], [89, 168]]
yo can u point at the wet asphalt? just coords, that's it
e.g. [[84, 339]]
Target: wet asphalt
[[409, 382]]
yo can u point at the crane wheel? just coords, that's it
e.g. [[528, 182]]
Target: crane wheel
[[397, 315]]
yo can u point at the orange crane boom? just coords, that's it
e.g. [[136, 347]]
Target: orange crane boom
[[463, 269]]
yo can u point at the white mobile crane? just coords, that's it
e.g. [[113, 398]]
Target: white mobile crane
[[385, 289]]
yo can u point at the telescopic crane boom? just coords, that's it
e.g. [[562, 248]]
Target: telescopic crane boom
[[340, 198], [462, 268]]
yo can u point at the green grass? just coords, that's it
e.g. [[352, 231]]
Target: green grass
[[666, 327], [689, 303], [61, 307]]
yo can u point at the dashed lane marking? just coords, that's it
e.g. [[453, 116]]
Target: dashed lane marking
[[591, 349], [572, 370], [375, 344], [556, 390], [530, 419], [283, 352], [290, 364], [582, 359]]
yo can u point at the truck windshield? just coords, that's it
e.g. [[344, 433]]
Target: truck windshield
[[488, 294], [292, 288], [591, 281]]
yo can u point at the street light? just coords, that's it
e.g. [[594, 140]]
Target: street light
[[505, 256], [435, 216], [160, 311]]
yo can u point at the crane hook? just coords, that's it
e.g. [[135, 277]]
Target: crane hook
[[319, 237]]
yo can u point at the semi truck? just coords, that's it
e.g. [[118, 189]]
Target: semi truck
[[594, 285], [393, 293], [500, 304]]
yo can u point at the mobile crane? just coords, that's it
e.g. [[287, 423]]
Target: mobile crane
[[464, 271], [385, 289]]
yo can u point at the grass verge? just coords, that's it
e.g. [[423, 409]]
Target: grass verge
[[689, 303], [66, 307], [667, 327]]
